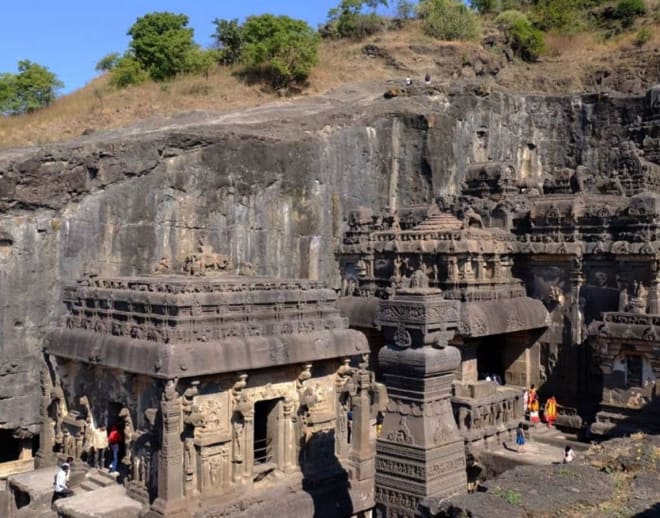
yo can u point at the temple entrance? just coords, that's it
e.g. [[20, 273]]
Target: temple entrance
[[489, 358], [11, 447], [266, 420]]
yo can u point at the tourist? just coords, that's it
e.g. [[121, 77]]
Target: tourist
[[569, 455], [61, 483], [531, 397], [525, 400], [550, 411], [100, 444], [380, 417], [114, 438], [520, 438], [427, 79], [408, 81], [534, 412]]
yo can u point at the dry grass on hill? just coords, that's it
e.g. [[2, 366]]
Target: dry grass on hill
[[99, 106]]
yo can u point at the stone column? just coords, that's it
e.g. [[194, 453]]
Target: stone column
[[46, 433], [248, 441], [653, 304], [170, 465], [289, 449], [420, 454], [576, 314], [362, 452]]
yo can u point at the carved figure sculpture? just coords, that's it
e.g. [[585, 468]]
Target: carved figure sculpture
[[129, 433]]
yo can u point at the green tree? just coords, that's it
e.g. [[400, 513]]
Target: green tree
[[526, 40], [161, 43], [448, 20], [279, 49], [127, 71], [34, 87], [348, 20], [229, 40], [107, 62], [405, 9]]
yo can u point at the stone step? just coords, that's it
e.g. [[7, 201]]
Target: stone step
[[96, 479]]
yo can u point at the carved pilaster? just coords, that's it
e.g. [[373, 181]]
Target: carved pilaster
[[171, 473]]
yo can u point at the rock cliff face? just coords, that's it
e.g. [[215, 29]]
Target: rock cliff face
[[270, 186]]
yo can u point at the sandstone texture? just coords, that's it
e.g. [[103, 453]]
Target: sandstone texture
[[270, 186]]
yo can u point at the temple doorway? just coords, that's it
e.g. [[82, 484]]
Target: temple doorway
[[489, 358], [266, 420]]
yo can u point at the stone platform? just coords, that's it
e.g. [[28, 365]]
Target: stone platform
[[105, 502]]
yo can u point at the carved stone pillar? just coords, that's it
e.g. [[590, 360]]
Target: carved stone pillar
[[576, 311], [248, 440], [653, 304], [420, 454], [362, 452], [289, 449], [170, 465], [45, 454]]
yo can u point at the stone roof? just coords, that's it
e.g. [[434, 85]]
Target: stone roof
[[177, 325]]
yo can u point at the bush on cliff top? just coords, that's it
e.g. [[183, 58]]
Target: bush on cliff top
[[525, 40], [449, 20]]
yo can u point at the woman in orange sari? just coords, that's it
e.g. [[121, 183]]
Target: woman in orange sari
[[550, 411]]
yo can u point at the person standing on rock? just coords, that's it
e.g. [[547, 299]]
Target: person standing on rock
[[520, 438], [100, 443], [114, 439]]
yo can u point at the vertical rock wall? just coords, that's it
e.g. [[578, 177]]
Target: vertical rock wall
[[117, 206]]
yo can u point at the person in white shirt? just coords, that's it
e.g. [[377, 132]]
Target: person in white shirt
[[61, 484], [569, 455]]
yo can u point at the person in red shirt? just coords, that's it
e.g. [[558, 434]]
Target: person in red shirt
[[114, 438]]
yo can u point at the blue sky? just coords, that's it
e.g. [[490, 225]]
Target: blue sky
[[70, 36]]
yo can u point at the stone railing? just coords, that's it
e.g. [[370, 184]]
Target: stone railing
[[480, 418]]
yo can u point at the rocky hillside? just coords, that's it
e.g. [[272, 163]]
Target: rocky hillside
[[572, 64]]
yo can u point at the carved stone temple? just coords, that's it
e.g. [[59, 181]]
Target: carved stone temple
[[236, 395], [552, 283]]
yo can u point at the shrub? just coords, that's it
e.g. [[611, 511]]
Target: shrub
[[348, 20], [485, 6], [628, 10], [449, 20], [526, 41], [279, 49], [564, 16], [229, 40], [128, 71], [200, 61], [161, 43], [643, 36], [108, 62]]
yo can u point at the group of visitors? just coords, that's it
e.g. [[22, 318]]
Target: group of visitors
[[531, 402], [532, 406], [101, 440]]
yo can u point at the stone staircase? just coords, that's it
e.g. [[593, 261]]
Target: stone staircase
[[95, 479]]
